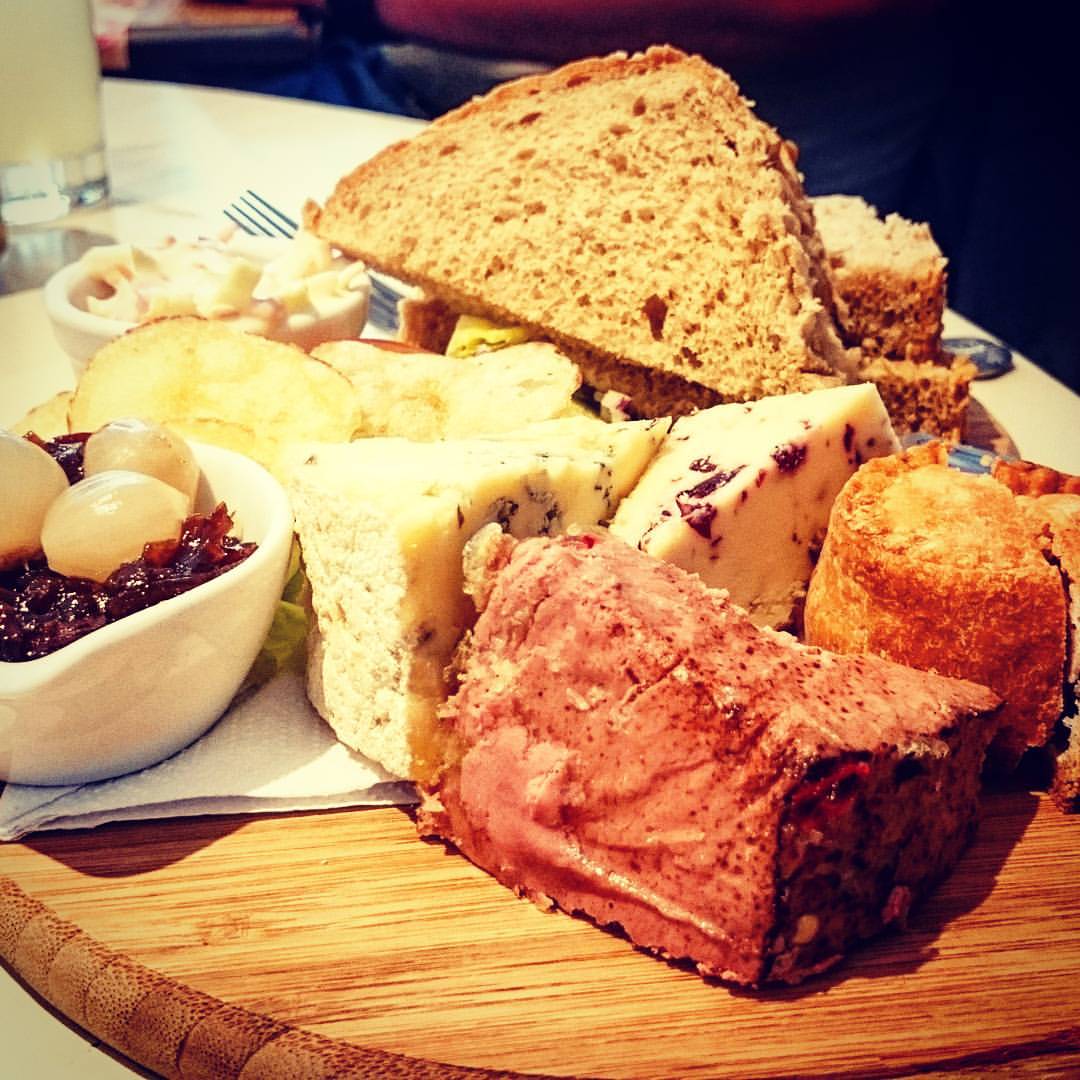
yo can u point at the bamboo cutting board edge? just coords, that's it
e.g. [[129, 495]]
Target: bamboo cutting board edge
[[139, 984]]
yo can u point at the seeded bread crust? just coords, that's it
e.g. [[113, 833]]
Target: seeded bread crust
[[632, 210]]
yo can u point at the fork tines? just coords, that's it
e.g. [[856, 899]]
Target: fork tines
[[254, 215], [383, 309]]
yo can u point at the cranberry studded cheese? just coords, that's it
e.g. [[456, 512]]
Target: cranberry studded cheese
[[649, 757], [740, 494]]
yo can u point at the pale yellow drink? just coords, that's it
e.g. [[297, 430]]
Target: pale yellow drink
[[50, 113]]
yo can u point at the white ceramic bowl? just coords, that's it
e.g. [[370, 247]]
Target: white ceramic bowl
[[81, 333], [140, 689]]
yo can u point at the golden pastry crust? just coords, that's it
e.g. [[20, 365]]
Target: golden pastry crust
[[1027, 478], [1058, 511], [947, 572]]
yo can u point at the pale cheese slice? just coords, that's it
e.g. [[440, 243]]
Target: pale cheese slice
[[383, 523], [740, 494]]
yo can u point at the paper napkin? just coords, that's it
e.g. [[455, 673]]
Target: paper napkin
[[269, 754]]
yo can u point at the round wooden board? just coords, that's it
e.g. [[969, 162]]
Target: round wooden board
[[338, 944], [326, 944]]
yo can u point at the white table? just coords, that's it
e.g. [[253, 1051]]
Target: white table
[[177, 156]]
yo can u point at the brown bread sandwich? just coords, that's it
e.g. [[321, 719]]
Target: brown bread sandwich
[[890, 279], [632, 210]]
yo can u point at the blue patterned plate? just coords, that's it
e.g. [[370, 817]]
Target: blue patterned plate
[[989, 357], [969, 459]]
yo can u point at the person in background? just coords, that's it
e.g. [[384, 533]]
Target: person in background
[[945, 111]]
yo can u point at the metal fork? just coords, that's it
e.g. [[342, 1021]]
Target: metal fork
[[252, 214], [255, 216]]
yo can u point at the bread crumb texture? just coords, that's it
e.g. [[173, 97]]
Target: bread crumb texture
[[890, 276], [633, 208]]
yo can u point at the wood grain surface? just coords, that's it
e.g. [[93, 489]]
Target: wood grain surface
[[324, 944]]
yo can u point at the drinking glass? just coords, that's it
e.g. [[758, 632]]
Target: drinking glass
[[52, 154]]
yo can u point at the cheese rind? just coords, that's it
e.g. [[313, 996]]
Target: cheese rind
[[383, 523], [740, 494]]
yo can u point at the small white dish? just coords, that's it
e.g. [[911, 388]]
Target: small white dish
[[81, 333], [140, 689]]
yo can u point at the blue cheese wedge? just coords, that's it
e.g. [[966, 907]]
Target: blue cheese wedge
[[740, 494], [383, 523]]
